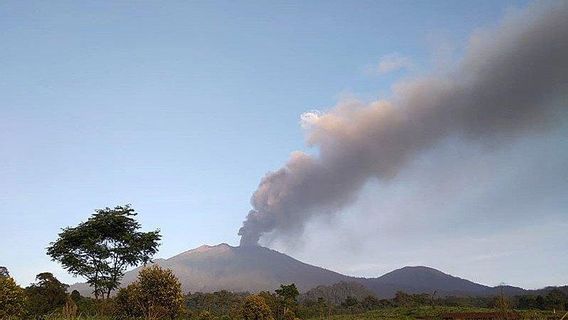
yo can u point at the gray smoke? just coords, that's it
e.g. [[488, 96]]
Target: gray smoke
[[512, 80]]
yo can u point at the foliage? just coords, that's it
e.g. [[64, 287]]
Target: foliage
[[289, 293], [287, 300], [70, 309], [101, 248], [12, 299], [87, 306], [46, 295], [255, 308], [217, 304], [156, 294], [273, 301], [337, 293], [4, 272]]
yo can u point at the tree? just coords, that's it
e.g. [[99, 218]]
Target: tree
[[12, 299], [101, 248], [46, 295], [370, 302], [556, 299], [75, 296], [402, 299], [288, 296], [155, 294], [4, 272], [288, 293], [255, 308]]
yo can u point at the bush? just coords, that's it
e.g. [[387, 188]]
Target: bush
[[255, 308], [46, 296], [12, 299], [155, 295]]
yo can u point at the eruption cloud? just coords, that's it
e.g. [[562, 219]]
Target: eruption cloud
[[512, 80]]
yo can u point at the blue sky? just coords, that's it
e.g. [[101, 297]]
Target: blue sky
[[180, 108]]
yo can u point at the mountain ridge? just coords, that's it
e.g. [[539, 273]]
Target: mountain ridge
[[209, 268]]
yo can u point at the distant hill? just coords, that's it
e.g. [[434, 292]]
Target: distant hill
[[252, 269], [422, 280]]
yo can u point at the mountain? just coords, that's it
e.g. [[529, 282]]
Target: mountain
[[238, 269], [423, 280], [252, 269]]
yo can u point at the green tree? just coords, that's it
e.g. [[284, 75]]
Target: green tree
[[556, 300], [46, 295], [402, 299], [155, 294], [255, 308], [4, 272], [370, 302], [12, 299], [76, 296], [288, 295], [101, 248]]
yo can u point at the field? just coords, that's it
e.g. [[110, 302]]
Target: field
[[427, 312]]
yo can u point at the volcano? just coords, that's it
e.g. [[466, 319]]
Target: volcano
[[255, 268]]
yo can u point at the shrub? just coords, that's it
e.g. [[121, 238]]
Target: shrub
[[46, 295], [12, 299], [255, 308], [155, 295]]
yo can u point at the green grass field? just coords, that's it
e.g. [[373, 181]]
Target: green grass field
[[427, 312]]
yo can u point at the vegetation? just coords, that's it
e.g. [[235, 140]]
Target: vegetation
[[101, 248], [255, 308], [46, 295], [12, 297], [156, 294]]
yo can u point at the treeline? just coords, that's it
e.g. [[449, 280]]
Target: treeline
[[157, 294], [344, 297]]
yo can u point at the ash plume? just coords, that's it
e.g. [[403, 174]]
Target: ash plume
[[513, 80]]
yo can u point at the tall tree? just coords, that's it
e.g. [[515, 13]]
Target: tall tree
[[101, 248], [288, 295], [46, 295]]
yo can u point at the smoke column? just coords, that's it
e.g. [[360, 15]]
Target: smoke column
[[511, 81]]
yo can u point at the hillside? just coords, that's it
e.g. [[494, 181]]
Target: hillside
[[254, 268], [421, 279]]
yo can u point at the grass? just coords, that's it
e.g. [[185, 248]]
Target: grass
[[399, 313], [427, 312]]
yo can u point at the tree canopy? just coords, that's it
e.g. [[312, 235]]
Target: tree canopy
[[255, 308], [101, 248], [12, 299], [4, 272], [46, 295], [156, 294]]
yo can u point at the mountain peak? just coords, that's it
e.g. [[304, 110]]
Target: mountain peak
[[421, 269], [255, 268], [207, 247], [222, 247]]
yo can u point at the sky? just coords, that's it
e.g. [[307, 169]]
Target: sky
[[180, 108]]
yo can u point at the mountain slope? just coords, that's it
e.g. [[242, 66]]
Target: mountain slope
[[421, 279], [252, 269], [238, 269]]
